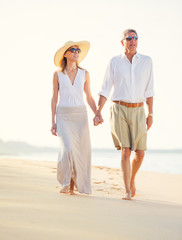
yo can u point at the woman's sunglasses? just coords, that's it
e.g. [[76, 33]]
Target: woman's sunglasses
[[74, 50], [130, 38]]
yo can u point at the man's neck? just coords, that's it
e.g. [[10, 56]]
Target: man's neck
[[130, 55]]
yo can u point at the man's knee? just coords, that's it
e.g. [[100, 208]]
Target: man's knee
[[139, 154], [126, 153]]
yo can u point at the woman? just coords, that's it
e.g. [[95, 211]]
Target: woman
[[71, 124]]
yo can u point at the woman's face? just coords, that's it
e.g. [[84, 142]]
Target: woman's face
[[72, 56]]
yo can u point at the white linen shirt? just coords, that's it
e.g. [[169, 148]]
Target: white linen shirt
[[131, 82]]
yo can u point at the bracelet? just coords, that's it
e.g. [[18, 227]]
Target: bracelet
[[151, 114]]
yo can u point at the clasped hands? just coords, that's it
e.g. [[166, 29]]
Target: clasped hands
[[98, 119]]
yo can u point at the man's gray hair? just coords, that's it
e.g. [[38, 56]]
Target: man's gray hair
[[125, 32]]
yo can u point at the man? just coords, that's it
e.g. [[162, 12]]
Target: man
[[131, 77]]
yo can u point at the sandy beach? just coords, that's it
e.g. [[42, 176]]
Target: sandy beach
[[31, 207]]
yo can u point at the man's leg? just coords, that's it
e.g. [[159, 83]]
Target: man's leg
[[137, 161], [125, 166]]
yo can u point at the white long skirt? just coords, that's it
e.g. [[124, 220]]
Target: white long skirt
[[74, 159]]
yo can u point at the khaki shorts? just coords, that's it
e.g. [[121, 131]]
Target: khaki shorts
[[128, 127]]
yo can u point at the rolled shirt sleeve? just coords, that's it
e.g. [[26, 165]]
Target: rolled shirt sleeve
[[149, 91], [108, 81]]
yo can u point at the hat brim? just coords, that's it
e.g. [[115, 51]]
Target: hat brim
[[83, 45]]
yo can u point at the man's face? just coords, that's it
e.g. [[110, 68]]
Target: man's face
[[130, 45]]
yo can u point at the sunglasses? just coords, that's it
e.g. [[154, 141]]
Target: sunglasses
[[74, 50], [130, 38]]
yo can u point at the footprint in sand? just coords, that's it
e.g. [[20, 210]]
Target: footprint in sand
[[99, 182], [100, 167], [116, 187], [102, 190]]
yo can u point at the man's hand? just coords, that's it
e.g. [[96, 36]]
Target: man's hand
[[149, 122], [98, 119]]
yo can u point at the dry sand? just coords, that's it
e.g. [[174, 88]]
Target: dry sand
[[31, 207]]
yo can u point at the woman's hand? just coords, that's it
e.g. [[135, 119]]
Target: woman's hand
[[54, 129], [98, 119]]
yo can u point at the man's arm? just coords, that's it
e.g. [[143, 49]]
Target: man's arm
[[149, 103], [104, 93], [98, 117]]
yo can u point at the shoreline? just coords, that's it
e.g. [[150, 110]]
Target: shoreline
[[32, 207], [34, 158], [108, 182]]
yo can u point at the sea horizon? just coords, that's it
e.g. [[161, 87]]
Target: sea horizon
[[156, 160]]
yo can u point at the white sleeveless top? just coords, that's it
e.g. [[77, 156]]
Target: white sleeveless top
[[71, 95]]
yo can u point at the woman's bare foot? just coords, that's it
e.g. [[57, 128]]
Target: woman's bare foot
[[132, 188], [65, 189], [72, 184], [127, 196]]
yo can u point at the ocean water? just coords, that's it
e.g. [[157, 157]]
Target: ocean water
[[155, 160]]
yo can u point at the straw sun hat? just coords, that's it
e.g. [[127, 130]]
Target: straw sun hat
[[83, 45]]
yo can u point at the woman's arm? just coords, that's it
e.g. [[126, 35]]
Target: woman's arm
[[54, 102], [87, 91]]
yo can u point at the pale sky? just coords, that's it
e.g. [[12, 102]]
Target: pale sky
[[31, 33]]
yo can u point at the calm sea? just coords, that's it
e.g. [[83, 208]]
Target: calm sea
[[165, 161]]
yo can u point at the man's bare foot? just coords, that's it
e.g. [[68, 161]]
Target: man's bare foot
[[127, 196], [132, 188], [65, 189]]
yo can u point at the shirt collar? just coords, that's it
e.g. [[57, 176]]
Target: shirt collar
[[137, 55]]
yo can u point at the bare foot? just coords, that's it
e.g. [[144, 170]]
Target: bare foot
[[72, 193], [132, 188], [127, 196], [65, 189], [72, 184]]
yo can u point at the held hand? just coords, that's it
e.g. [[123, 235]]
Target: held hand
[[149, 122], [54, 130], [98, 119]]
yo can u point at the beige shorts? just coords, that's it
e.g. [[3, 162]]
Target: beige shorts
[[128, 127]]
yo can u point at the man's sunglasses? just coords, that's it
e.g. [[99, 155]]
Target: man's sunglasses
[[130, 38], [74, 50]]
